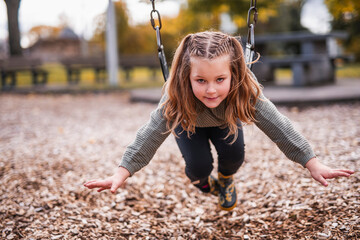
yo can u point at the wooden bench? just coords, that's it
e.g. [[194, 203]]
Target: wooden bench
[[74, 66], [312, 64], [129, 62], [307, 70], [11, 66]]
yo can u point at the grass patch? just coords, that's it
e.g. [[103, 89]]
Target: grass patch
[[284, 76], [139, 78], [348, 71]]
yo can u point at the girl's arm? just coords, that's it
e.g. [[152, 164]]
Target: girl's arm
[[147, 141], [321, 172], [281, 131], [139, 153]]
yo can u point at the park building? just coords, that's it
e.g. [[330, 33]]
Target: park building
[[67, 45]]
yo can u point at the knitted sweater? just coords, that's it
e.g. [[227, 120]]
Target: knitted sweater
[[275, 125]]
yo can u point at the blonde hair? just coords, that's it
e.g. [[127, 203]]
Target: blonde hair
[[180, 106]]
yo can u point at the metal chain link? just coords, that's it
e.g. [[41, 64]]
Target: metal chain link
[[250, 43], [161, 54], [252, 9]]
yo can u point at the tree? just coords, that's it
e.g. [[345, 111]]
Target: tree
[[287, 18], [43, 32], [122, 26], [13, 26], [346, 16], [194, 16], [237, 9]]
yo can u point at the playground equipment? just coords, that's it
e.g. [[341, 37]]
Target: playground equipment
[[250, 44]]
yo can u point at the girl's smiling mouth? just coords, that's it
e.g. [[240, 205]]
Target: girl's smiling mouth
[[211, 98]]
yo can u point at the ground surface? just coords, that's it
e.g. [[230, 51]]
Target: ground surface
[[50, 145]]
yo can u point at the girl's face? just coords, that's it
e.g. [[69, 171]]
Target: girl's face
[[210, 79]]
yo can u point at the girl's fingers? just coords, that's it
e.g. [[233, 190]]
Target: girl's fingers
[[101, 189], [338, 173], [345, 171], [115, 186], [91, 181], [323, 181], [320, 179], [343, 174], [96, 184]]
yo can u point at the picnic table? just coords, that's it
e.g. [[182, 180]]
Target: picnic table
[[129, 62], [313, 64], [74, 66], [9, 68]]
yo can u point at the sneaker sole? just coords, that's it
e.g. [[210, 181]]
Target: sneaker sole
[[229, 208]]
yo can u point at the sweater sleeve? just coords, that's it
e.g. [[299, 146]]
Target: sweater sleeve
[[281, 131], [148, 139]]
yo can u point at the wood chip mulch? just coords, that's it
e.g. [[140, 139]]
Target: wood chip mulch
[[51, 144]]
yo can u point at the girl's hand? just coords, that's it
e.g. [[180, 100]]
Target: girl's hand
[[320, 172], [112, 183]]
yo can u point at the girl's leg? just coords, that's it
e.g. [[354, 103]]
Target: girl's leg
[[197, 155], [230, 156]]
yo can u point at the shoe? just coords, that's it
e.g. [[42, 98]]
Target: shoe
[[227, 192], [208, 185], [214, 186]]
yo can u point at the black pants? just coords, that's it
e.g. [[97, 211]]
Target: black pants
[[197, 154]]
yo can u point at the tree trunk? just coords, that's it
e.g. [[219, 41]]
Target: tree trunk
[[13, 25]]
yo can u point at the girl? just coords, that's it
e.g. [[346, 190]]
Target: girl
[[209, 94]]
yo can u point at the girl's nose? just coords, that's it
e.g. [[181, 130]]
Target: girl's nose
[[210, 89]]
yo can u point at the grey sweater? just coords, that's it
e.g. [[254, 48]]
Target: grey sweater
[[275, 125]]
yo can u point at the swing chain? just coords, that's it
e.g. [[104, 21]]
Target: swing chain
[[152, 20], [250, 44], [252, 9], [251, 26], [160, 47]]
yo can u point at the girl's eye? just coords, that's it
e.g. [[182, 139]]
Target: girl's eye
[[201, 80], [220, 79]]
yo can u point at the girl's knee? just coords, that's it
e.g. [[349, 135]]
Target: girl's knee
[[233, 157], [198, 171], [230, 164]]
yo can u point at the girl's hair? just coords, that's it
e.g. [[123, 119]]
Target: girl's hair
[[180, 106]]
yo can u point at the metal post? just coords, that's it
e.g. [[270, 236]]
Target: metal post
[[111, 46]]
